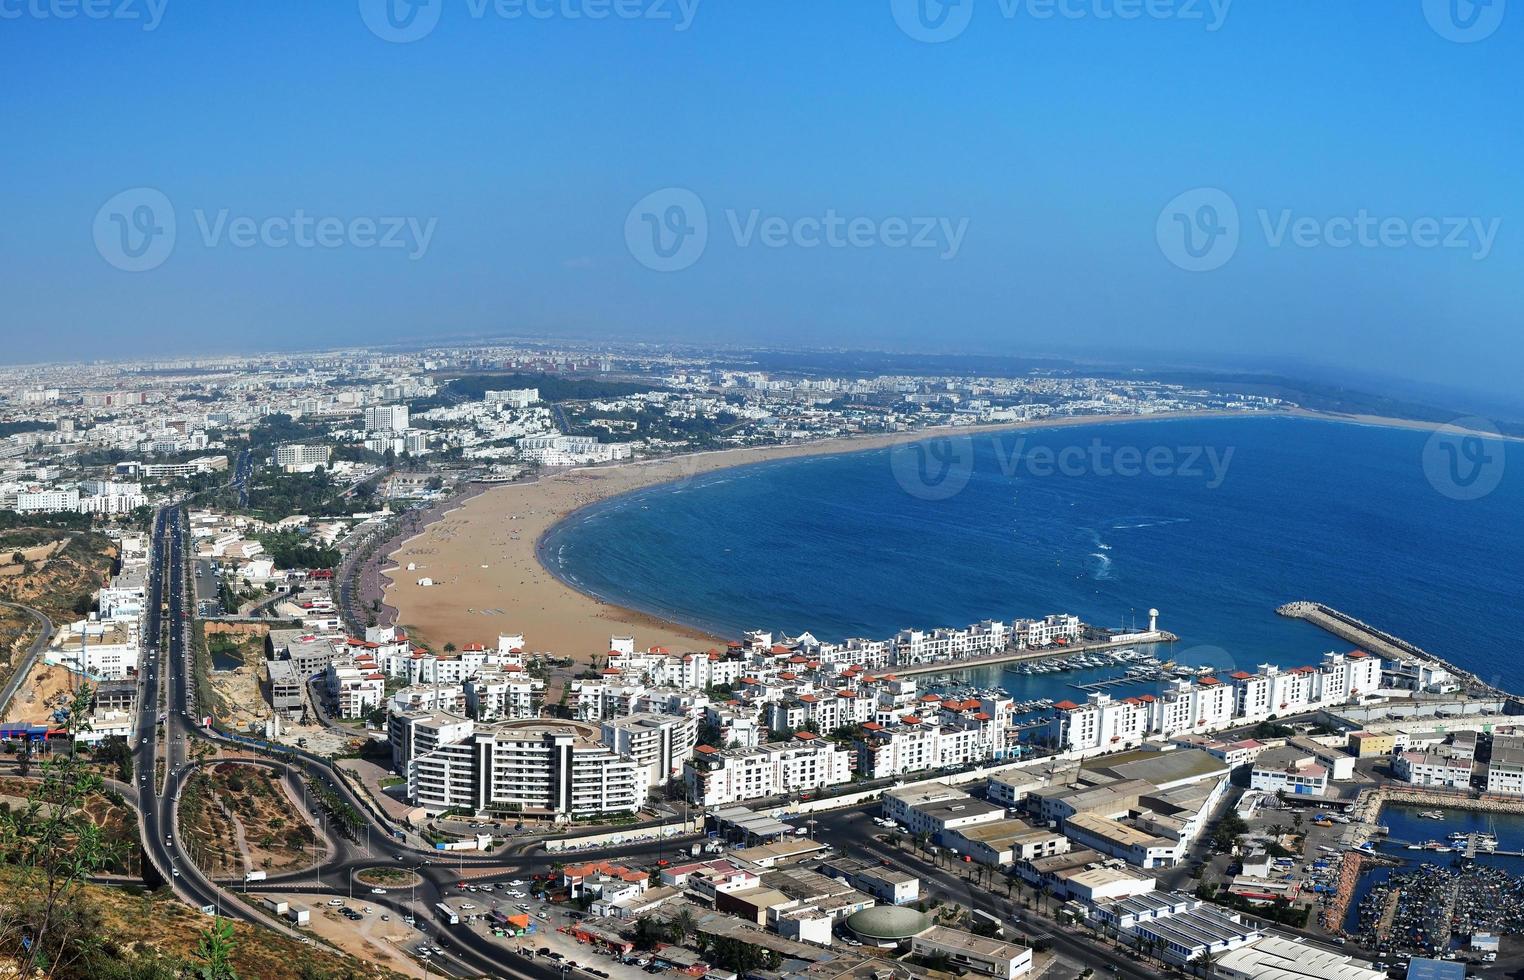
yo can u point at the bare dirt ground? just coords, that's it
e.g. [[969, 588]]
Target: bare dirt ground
[[45, 689], [241, 690], [37, 555], [383, 943]]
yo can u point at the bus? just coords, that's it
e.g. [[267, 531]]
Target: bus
[[448, 914]]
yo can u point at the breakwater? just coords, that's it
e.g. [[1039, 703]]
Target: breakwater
[[1373, 640]]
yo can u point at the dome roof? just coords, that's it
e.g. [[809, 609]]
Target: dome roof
[[889, 922]]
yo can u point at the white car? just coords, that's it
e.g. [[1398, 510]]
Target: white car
[[335, 902], [378, 891]]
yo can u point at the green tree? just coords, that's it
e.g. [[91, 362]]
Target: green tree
[[684, 925], [54, 848], [214, 952]]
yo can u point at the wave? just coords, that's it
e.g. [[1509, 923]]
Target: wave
[[1141, 522]]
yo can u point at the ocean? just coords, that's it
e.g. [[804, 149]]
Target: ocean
[[1213, 521]]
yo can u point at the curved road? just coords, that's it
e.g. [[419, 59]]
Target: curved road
[[170, 741], [14, 684]]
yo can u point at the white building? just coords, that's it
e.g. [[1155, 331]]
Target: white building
[[804, 764], [1423, 769], [553, 769], [300, 458], [659, 743], [1289, 770], [386, 418], [1505, 772]]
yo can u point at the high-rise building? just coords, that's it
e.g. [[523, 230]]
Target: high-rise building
[[386, 418]]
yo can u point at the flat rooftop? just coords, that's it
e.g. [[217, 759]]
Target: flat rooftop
[[992, 949]]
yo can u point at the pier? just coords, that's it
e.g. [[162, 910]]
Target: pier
[[1378, 641], [1021, 655]]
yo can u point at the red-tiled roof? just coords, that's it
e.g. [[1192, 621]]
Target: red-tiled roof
[[1066, 706]]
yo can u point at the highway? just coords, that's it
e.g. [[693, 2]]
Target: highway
[[469, 953]]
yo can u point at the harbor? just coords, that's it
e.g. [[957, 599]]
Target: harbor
[[1046, 660]]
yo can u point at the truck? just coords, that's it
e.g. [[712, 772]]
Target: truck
[[448, 914], [254, 876]]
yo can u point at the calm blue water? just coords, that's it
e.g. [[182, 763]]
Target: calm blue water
[[1306, 509]]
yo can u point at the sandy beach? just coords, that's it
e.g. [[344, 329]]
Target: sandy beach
[[488, 579]]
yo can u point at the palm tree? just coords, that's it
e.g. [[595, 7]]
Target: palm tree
[[1204, 962], [684, 924], [1045, 891]]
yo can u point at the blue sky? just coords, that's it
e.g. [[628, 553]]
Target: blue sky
[[1054, 147]]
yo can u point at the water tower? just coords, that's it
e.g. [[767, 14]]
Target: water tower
[[1153, 620]]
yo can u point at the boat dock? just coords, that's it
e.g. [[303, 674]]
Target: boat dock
[[1378, 641], [1015, 655]]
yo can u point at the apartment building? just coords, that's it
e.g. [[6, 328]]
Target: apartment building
[[553, 769], [804, 764], [1205, 704], [355, 686], [658, 743], [302, 458], [503, 694], [386, 418]]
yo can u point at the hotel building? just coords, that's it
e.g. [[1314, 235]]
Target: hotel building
[[553, 769]]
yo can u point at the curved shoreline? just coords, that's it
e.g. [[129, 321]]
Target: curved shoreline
[[558, 616]]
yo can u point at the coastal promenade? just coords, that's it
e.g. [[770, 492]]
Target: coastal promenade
[[1026, 655], [1378, 641]]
